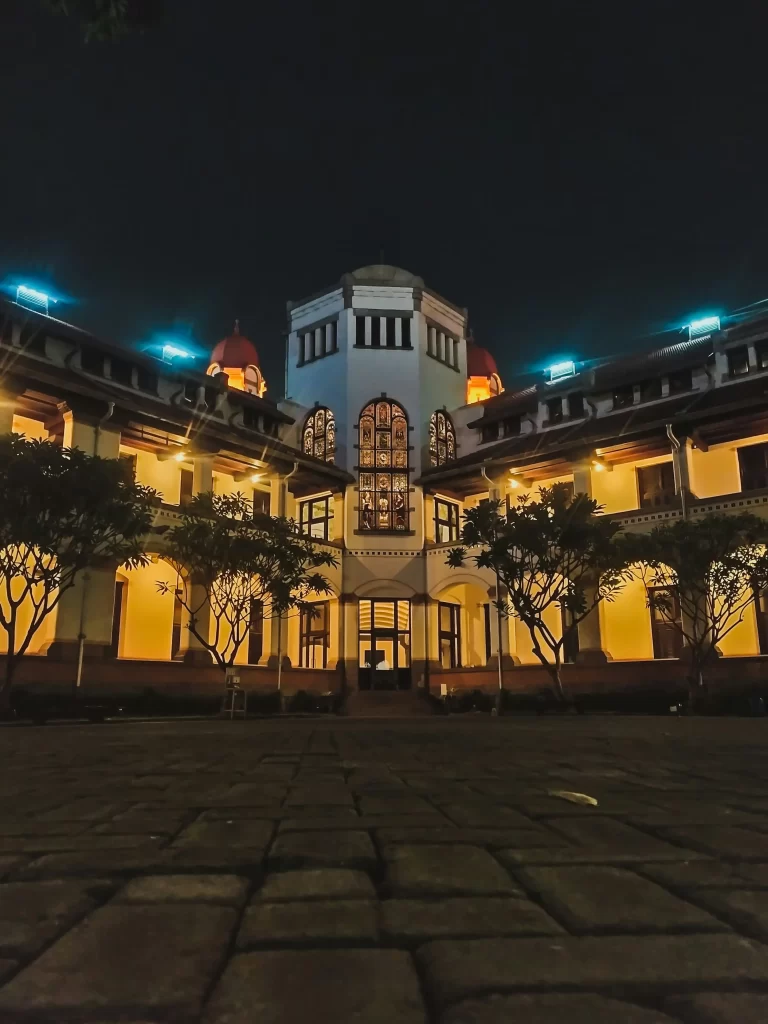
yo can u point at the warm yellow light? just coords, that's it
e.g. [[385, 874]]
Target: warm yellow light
[[179, 457], [513, 482], [256, 477], [598, 465]]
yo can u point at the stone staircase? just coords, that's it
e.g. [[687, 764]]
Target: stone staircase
[[387, 704]]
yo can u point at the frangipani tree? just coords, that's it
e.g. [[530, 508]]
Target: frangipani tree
[[61, 512], [712, 565], [231, 558], [554, 552]]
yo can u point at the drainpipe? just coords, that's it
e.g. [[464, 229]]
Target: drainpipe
[[491, 487], [676, 449], [282, 501], [86, 576]]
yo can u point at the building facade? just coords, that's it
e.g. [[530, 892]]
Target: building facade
[[393, 423]]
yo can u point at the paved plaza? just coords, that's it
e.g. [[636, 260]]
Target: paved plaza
[[313, 871]]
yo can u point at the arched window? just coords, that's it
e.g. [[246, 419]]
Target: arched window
[[442, 439], [320, 435], [383, 467]]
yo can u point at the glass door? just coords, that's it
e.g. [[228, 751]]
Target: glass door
[[384, 645]]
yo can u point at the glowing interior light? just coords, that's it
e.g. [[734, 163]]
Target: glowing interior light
[[559, 370], [704, 327], [33, 299], [174, 352], [255, 477], [513, 482], [179, 457], [598, 465]]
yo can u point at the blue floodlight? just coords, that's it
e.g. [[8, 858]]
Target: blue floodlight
[[703, 328], [560, 370], [171, 352], [33, 299]]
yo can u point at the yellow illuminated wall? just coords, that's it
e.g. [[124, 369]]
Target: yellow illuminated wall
[[616, 490], [33, 429], [165, 477], [147, 621], [743, 637], [715, 471], [522, 645], [625, 623]]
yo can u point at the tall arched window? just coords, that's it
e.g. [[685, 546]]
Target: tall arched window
[[383, 466], [442, 439], [320, 434]]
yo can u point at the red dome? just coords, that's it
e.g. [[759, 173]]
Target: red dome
[[236, 351], [480, 362]]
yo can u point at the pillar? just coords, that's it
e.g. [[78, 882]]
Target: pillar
[[9, 394], [191, 651], [87, 607], [591, 650], [349, 657], [682, 465], [419, 654], [278, 640], [90, 432], [202, 474], [582, 477], [508, 660]]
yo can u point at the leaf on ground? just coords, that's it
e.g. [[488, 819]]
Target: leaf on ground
[[573, 798]]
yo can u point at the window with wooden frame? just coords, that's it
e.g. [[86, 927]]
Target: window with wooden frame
[[449, 634], [446, 521], [313, 635], [316, 517]]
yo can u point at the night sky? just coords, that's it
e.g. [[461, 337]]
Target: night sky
[[578, 175]]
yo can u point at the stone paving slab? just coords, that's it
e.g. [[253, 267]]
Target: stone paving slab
[[411, 922], [127, 959], [317, 884], [720, 1008], [300, 870], [462, 968], [610, 899], [445, 871], [376, 986], [318, 923], [552, 1009]]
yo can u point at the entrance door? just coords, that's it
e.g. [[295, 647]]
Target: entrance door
[[384, 645]]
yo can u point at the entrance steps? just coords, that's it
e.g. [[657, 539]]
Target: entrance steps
[[387, 704]]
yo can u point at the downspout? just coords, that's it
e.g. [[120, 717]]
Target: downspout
[[426, 591], [86, 576], [282, 502], [676, 449], [491, 487]]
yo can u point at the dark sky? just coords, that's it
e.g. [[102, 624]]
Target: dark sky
[[576, 174]]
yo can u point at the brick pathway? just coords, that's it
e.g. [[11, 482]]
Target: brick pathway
[[324, 872]]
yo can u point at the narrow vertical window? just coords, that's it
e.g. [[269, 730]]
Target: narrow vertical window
[[319, 437], [383, 448], [442, 439]]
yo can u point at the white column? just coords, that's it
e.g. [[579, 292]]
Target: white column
[[191, 651], [582, 477], [591, 650], [87, 607], [681, 462], [202, 474]]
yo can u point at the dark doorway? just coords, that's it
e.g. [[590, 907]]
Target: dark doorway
[[666, 624], [384, 642]]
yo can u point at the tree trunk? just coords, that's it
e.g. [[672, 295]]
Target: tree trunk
[[562, 696]]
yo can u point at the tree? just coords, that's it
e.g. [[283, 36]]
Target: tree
[[108, 20], [708, 568], [232, 558], [61, 512], [557, 552]]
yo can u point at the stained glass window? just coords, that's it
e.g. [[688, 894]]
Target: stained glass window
[[442, 439], [383, 436], [320, 435]]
